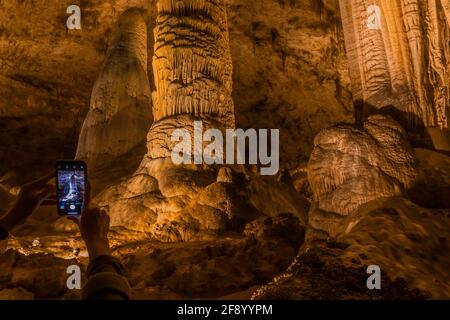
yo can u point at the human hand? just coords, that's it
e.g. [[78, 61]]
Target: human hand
[[94, 228], [31, 196]]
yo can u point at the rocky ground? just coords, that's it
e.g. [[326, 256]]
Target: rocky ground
[[409, 243], [230, 266], [270, 260]]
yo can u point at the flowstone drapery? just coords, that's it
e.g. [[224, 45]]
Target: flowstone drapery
[[402, 62]]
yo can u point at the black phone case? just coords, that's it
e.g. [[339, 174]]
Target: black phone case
[[70, 163]]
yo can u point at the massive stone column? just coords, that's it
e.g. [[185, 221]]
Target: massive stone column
[[403, 64], [193, 78], [120, 114], [192, 69]]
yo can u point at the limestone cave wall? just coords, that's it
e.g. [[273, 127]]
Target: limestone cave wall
[[289, 72]]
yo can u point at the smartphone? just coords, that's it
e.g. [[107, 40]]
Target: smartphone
[[71, 179]]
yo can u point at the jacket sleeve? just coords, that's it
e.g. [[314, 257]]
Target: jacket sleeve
[[106, 280]]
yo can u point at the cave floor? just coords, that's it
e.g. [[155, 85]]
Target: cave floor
[[231, 267]]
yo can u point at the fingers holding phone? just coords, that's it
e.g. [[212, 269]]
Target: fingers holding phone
[[94, 227], [31, 196]]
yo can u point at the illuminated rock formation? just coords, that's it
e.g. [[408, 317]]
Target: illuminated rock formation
[[120, 112], [192, 68], [350, 166], [401, 60]]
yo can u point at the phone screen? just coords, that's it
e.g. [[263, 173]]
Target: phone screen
[[71, 187]]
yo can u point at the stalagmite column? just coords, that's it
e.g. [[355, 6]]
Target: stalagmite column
[[405, 63], [120, 113], [192, 68]]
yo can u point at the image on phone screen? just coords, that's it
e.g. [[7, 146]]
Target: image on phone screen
[[71, 187]]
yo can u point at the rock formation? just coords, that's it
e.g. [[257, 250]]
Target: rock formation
[[401, 62], [408, 242], [192, 68], [120, 112], [283, 54], [351, 166], [219, 232]]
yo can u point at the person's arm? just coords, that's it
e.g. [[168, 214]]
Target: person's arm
[[30, 197], [105, 274], [106, 280], [106, 277]]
